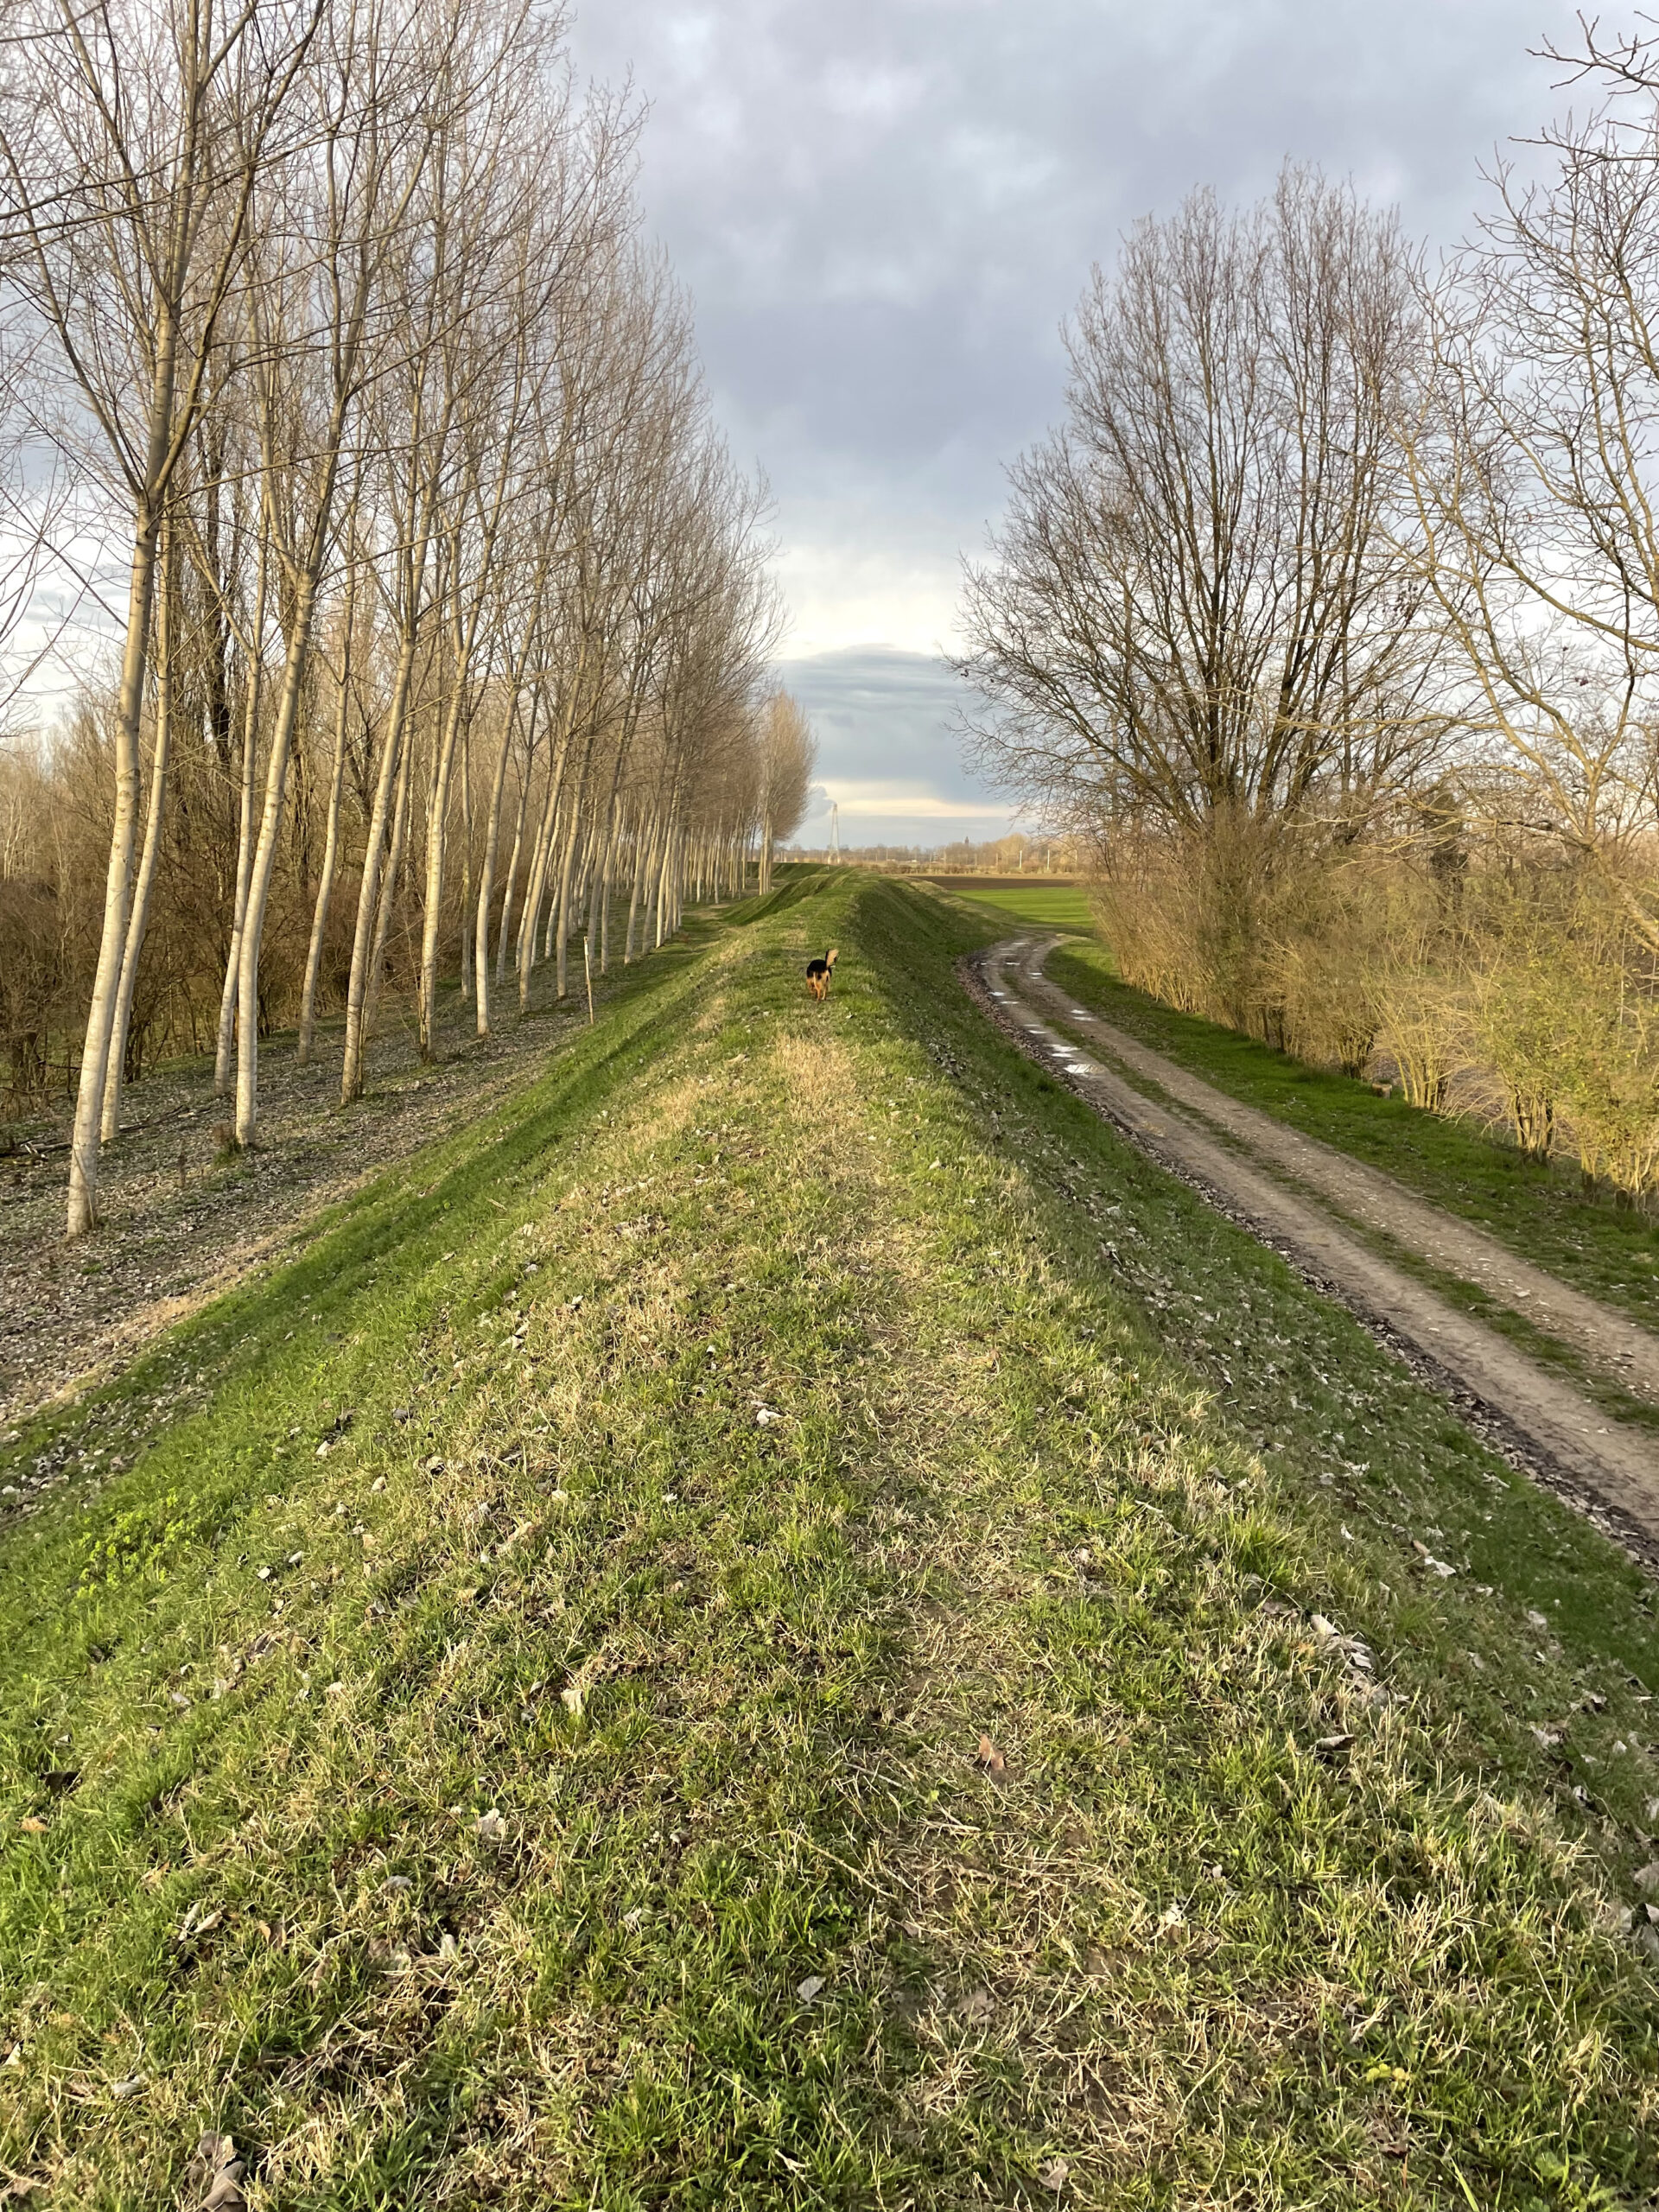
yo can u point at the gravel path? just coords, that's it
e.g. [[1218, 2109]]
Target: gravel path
[[1615, 1464], [182, 1223]]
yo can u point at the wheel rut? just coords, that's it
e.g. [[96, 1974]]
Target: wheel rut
[[1558, 1434]]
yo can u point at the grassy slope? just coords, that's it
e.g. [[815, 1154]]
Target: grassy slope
[[1541, 1213], [721, 1680]]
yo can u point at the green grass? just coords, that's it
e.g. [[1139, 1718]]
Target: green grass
[[751, 1925], [1049, 906], [1539, 1212]]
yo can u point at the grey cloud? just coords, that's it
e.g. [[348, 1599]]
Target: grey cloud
[[885, 208], [887, 724]]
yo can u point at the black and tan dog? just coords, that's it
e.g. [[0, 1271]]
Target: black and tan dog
[[819, 973]]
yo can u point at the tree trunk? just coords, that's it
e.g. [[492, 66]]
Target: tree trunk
[[541, 858], [644, 851], [508, 888], [601, 909], [387, 891], [225, 1048], [351, 1080], [561, 909], [270, 824], [117, 881], [331, 843], [138, 921], [486, 872], [542, 855], [437, 825], [662, 884], [466, 859]]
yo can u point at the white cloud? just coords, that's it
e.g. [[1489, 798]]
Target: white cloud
[[897, 796], [841, 597]]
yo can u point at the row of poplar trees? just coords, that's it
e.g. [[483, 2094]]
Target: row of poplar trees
[[338, 312]]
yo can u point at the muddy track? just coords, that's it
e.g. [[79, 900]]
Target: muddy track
[[1607, 1467]]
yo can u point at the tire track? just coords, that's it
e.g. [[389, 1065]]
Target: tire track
[[1559, 1435]]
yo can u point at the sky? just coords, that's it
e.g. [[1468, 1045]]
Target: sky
[[884, 209]]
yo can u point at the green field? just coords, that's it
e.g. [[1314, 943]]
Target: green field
[[1049, 906], [761, 1629]]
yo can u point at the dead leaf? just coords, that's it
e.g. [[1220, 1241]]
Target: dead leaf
[[491, 1827], [571, 1699], [213, 2180], [991, 1759], [1055, 2175], [30, 1826], [809, 1988]]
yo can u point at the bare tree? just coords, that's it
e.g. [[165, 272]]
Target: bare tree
[[1198, 606], [787, 755], [130, 147], [316, 308], [342, 679], [1535, 453], [166, 658], [347, 296]]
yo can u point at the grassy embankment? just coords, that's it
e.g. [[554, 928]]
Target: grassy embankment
[[1539, 1212], [562, 1789]]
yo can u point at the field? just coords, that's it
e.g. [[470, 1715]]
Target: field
[[1047, 906], [693, 1647]]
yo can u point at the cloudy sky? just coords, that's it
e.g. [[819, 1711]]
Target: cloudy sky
[[884, 208]]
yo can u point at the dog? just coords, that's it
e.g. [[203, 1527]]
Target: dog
[[819, 973]]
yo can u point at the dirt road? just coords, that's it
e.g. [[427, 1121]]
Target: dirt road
[[1560, 1431]]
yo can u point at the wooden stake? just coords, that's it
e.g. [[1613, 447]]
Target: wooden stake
[[588, 970]]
